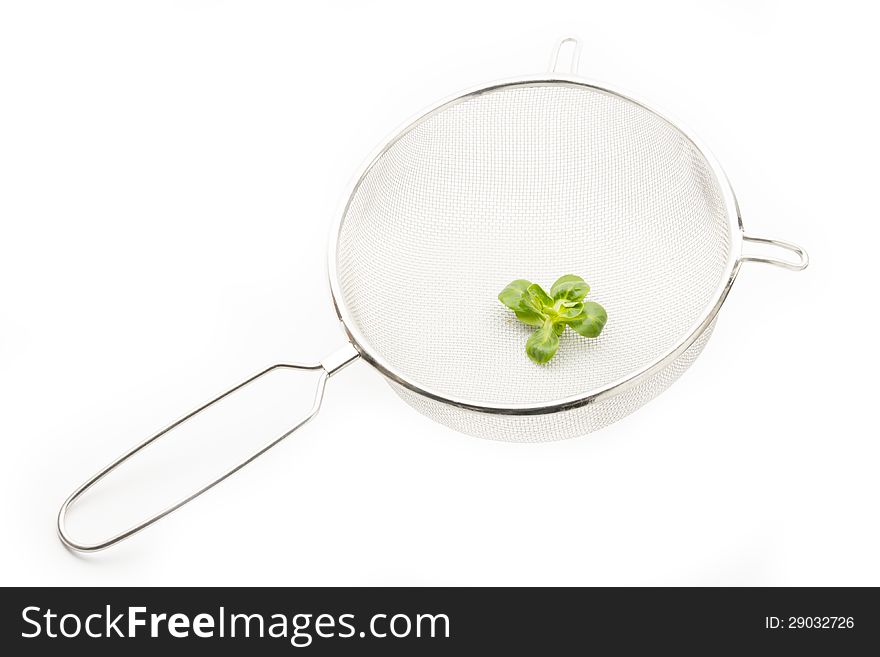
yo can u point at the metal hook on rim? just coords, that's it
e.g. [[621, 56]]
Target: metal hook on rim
[[572, 43], [800, 264], [329, 366]]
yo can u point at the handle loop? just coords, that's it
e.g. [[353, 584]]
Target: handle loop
[[328, 367], [570, 43], [797, 265]]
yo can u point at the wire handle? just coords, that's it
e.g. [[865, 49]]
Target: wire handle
[[328, 367], [794, 265], [573, 44]]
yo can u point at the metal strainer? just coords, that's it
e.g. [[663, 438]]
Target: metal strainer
[[527, 178]]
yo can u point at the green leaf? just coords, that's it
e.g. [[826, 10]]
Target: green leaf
[[591, 321], [531, 311], [543, 343], [530, 317], [559, 327], [540, 298], [512, 294], [516, 297], [570, 288], [531, 303], [570, 310]]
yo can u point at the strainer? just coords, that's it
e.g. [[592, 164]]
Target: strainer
[[527, 178]]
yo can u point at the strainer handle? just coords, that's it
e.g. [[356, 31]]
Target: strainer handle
[[327, 367], [794, 265]]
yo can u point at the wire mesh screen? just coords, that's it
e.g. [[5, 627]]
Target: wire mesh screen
[[557, 425], [530, 181]]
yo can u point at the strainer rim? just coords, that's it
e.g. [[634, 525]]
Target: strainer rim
[[620, 385]]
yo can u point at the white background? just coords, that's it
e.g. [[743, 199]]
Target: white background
[[168, 175]]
